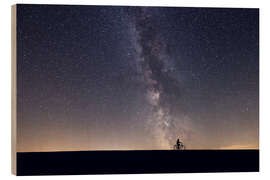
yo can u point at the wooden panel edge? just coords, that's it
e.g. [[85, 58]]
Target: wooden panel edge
[[13, 89]]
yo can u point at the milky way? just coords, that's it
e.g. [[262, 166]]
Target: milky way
[[161, 89], [113, 77]]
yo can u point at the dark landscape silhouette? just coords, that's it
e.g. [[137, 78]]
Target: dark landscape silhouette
[[137, 161]]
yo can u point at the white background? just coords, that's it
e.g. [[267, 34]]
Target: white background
[[5, 87]]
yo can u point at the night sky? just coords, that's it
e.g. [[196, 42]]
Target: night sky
[[106, 78]]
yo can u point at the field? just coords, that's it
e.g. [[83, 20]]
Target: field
[[130, 162]]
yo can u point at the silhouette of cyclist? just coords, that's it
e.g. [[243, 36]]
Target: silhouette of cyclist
[[178, 144]]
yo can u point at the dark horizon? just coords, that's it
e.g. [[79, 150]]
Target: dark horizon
[[155, 161], [135, 150]]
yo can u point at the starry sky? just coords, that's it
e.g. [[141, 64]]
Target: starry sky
[[127, 78]]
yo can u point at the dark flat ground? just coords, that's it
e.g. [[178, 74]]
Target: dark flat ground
[[130, 162]]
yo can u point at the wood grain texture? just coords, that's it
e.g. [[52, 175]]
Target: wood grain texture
[[13, 88]]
